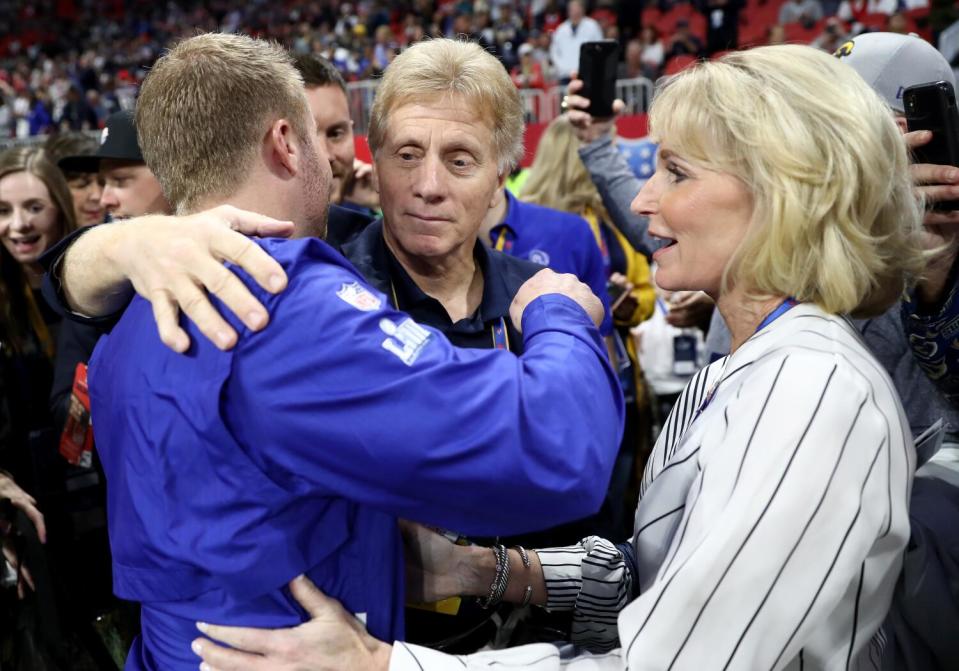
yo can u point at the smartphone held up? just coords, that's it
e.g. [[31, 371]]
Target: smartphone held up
[[597, 69], [932, 107]]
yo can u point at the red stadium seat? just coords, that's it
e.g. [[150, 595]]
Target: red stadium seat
[[678, 63], [796, 32], [650, 16]]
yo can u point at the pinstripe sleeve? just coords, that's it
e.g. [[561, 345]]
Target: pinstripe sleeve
[[807, 475], [592, 579]]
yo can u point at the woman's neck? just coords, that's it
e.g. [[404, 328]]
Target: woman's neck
[[455, 280], [34, 274], [743, 314]]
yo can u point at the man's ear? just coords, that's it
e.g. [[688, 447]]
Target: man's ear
[[282, 148], [375, 177], [499, 194]]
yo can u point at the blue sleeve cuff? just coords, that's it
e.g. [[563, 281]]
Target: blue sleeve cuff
[[555, 312]]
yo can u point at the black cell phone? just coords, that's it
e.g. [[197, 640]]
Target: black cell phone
[[598, 62], [932, 107]]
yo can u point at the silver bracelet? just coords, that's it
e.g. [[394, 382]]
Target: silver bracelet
[[497, 588], [528, 593]]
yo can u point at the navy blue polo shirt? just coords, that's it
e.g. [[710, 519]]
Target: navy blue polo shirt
[[503, 275]]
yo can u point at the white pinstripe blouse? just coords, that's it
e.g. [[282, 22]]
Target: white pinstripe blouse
[[770, 528]]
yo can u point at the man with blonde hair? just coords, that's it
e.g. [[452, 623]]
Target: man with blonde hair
[[231, 472]]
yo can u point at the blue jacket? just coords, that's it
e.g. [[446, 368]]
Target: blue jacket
[[232, 472]]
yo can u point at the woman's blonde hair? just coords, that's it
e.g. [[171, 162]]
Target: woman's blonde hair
[[835, 221], [443, 67], [558, 178]]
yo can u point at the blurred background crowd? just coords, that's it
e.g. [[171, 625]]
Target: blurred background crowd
[[68, 64]]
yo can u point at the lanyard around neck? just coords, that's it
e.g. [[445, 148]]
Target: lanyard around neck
[[504, 242]]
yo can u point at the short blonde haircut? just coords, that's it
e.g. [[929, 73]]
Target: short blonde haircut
[[205, 107], [440, 68], [835, 221], [558, 178]]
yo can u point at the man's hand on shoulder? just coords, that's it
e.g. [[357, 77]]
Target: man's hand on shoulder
[[173, 262]]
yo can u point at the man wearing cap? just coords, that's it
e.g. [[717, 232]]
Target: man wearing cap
[[918, 337], [130, 189]]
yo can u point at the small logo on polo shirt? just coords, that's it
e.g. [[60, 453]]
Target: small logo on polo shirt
[[359, 297], [406, 340], [539, 256]]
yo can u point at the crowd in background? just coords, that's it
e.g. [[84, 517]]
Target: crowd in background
[[68, 64]]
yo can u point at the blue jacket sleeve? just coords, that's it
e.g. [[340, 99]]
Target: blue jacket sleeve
[[368, 405]]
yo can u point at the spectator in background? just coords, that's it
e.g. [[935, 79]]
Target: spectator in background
[[528, 73], [326, 94], [683, 42], [39, 119], [129, 186], [76, 113], [897, 23], [383, 48], [854, 10], [510, 33], [571, 33], [631, 65], [775, 34], [722, 23], [652, 54], [541, 42], [806, 12], [483, 24], [548, 17], [832, 36], [86, 187]]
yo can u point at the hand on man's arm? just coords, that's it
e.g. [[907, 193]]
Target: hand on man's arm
[[172, 262]]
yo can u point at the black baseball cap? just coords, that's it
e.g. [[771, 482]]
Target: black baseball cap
[[118, 140]]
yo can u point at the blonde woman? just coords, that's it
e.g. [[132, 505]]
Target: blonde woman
[[773, 513]]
